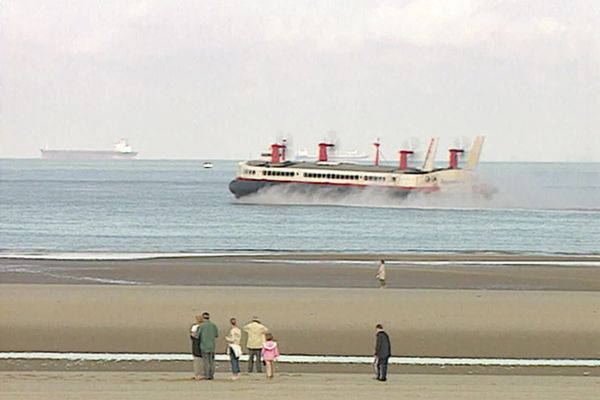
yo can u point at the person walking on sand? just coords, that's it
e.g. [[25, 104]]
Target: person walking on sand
[[234, 348], [269, 353], [207, 333], [196, 353], [256, 337], [383, 352], [381, 274]]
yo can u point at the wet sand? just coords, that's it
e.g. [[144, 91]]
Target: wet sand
[[465, 271], [150, 386]]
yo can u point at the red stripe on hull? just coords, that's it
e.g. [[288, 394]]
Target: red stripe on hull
[[361, 186]]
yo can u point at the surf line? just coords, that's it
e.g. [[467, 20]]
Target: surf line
[[306, 359]]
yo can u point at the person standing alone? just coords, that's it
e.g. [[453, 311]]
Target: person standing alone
[[207, 333], [381, 274], [234, 338], [256, 337], [383, 351]]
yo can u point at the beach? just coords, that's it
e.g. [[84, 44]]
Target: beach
[[405, 193], [324, 304], [162, 385], [327, 270], [424, 322], [500, 307]]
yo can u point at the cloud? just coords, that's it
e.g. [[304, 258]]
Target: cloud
[[548, 26], [431, 23], [154, 27], [320, 34], [360, 66], [91, 43], [458, 23]]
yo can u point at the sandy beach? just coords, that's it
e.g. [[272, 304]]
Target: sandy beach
[[423, 322], [414, 271], [161, 385], [476, 306]]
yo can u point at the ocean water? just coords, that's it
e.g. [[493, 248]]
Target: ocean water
[[120, 208]]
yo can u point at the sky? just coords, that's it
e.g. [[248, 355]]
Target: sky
[[224, 79]]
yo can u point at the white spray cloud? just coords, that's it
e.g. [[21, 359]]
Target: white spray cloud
[[514, 188]]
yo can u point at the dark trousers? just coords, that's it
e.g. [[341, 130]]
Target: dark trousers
[[254, 353], [382, 367], [235, 363], [208, 362]]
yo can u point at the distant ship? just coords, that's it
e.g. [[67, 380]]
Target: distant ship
[[121, 151]]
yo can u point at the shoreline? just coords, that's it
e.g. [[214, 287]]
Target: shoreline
[[223, 368], [309, 359], [491, 272], [303, 255]]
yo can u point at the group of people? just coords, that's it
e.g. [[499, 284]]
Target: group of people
[[260, 344], [261, 348]]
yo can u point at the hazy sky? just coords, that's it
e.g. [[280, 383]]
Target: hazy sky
[[223, 79]]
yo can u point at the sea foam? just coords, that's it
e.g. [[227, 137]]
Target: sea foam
[[312, 359]]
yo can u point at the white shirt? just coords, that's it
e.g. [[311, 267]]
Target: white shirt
[[381, 272]]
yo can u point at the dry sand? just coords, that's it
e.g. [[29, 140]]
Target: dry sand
[[151, 386], [454, 323]]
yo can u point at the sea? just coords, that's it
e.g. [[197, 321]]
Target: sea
[[144, 208]]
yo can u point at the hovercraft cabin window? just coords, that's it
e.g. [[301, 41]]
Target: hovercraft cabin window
[[330, 176], [278, 173]]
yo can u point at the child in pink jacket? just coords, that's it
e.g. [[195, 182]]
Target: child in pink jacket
[[269, 353]]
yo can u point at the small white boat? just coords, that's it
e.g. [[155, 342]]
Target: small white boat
[[207, 165]]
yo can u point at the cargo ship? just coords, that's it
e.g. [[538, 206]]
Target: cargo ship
[[339, 178], [121, 151]]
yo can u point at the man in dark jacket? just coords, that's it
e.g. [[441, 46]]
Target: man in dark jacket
[[383, 351], [208, 333]]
